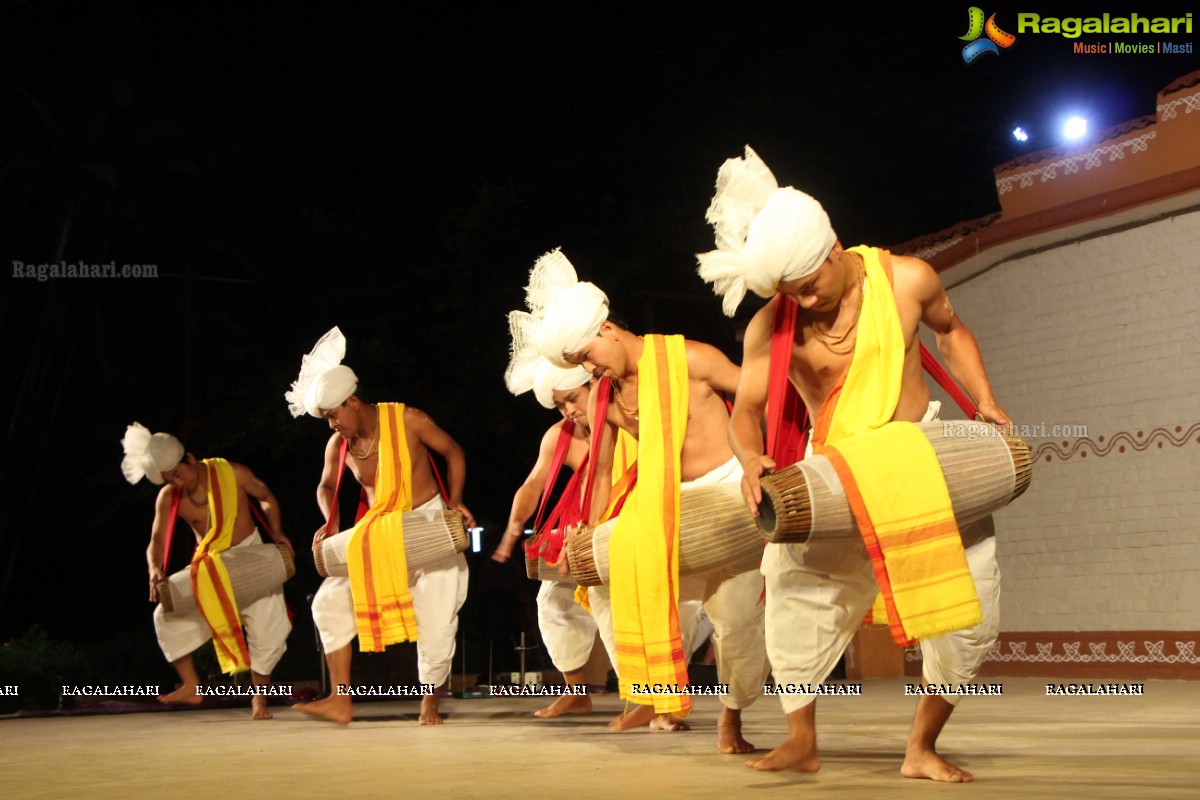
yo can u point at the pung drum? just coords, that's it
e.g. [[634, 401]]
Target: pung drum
[[985, 469], [537, 569], [715, 531], [255, 570], [429, 536]]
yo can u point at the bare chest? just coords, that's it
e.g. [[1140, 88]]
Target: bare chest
[[816, 368]]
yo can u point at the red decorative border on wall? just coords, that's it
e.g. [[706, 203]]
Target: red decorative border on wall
[[1120, 443], [1088, 654]]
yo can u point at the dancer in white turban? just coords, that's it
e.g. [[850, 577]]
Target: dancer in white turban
[[568, 631], [686, 441], [840, 341], [161, 458], [386, 446], [766, 235]]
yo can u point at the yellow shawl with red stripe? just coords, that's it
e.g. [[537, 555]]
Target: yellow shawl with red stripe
[[644, 551], [624, 458], [892, 478], [210, 580], [383, 604]]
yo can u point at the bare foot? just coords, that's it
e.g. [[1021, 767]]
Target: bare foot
[[429, 710], [335, 708], [258, 705], [185, 694], [794, 754], [632, 718], [567, 704], [928, 764], [729, 732], [668, 723]]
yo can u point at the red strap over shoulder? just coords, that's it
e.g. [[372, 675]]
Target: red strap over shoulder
[[437, 476], [603, 394], [928, 362], [560, 455], [787, 418], [939, 374], [172, 516], [332, 522], [260, 519]]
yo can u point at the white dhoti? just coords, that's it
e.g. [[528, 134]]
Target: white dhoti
[[439, 591], [568, 631], [819, 592], [691, 589], [265, 625], [732, 601]]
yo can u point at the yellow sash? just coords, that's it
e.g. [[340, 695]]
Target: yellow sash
[[644, 551], [892, 478], [624, 457], [383, 604], [210, 580]]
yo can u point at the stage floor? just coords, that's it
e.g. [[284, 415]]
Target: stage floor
[[1021, 744]]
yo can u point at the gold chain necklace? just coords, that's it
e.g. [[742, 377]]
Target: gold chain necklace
[[617, 395], [832, 342], [371, 450]]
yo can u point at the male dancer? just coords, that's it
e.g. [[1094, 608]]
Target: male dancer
[[665, 392], [568, 630], [388, 446], [848, 335], [193, 489]]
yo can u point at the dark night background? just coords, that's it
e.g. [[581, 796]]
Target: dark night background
[[395, 169]]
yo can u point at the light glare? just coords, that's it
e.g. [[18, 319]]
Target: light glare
[[1074, 128]]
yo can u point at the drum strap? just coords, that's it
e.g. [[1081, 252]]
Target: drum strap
[[928, 362], [624, 486], [560, 455], [437, 476], [261, 520], [786, 411], [567, 512], [331, 523], [603, 393], [172, 516], [549, 533], [939, 374], [362, 495], [787, 418]]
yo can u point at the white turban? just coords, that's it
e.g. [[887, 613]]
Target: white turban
[[323, 381], [527, 369], [565, 313], [764, 234], [330, 389], [148, 456], [550, 379]]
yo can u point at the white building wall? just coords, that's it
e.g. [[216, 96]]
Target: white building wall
[[1102, 333]]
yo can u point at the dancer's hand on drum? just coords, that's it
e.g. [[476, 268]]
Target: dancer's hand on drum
[[318, 536], [281, 539], [468, 517], [990, 411], [156, 577], [751, 489], [564, 566]]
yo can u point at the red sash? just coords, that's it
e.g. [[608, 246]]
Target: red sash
[[622, 487], [550, 534]]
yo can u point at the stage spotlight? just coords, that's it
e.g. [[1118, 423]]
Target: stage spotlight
[[1074, 128], [1020, 135]]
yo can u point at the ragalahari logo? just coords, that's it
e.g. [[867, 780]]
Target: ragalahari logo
[[976, 27]]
